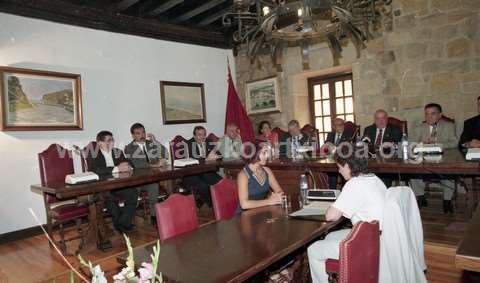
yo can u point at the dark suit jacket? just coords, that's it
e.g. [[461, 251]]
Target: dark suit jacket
[[345, 137], [193, 148], [392, 134], [137, 157], [471, 130], [97, 164]]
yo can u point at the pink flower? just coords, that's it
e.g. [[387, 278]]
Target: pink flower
[[146, 273]]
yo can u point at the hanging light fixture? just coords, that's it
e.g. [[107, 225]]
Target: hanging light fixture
[[272, 24]]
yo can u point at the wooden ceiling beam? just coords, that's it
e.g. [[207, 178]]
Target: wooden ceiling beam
[[125, 4], [197, 11], [162, 8], [210, 19], [67, 13]]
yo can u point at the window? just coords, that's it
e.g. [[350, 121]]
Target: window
[[330, 97]]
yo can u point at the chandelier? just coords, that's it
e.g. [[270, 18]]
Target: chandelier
[[270, 25]]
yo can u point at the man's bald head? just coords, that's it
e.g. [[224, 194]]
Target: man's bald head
[[338, 125], [381, 118]]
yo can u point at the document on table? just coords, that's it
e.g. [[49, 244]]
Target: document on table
[[313, 208]]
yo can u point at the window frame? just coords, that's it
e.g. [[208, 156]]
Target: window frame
[[330, 79]]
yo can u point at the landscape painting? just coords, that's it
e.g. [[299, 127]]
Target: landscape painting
[[39, 100], [263, 96], [182, 102]]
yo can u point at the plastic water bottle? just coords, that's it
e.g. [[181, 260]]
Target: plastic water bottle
[[303, 189], [404, 146]]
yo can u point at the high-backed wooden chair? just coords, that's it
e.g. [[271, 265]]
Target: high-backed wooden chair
[[359, 260], [353, 129], [313, 133], [401, 124], [178, 148], [55, 163], [224, 199], [212, 137], [175, 216], [281, 133]]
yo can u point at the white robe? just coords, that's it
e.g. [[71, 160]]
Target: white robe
[[402, 258]]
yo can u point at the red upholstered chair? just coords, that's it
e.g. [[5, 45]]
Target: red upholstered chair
[[55, 163], [313, 133], [178, 148], [281, 133], [176, 215], [212, 137], [352, 128], [224, 199], [359, 259], [401, 124]]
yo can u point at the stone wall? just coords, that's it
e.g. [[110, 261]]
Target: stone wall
[[430, 54]]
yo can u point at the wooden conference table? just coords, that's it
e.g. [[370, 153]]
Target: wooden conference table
[[451, 163], [112, 182], [232, 250]]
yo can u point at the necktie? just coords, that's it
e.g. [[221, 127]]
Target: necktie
[[144, 148], [378, 140], [433, 134], [337, 139]]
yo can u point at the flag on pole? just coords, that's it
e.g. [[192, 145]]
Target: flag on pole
[[236, 113]]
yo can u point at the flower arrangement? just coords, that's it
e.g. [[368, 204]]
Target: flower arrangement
[[146, 273]]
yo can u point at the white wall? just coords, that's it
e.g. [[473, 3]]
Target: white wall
[[120, 86]]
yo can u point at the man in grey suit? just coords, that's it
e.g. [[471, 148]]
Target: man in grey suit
[[230, 145], [146, 152], [435, 130]]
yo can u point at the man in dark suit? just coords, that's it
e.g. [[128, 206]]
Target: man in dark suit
[[295, 137], [338, 134], [381, 132], [107, 161], [334, 138], [146, 152], [203, 150], [470, 137]]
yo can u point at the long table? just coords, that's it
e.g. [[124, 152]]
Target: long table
[[468, 252], [451, 163], [232, 250], [111, 182]]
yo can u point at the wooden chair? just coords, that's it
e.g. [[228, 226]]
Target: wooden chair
[[175, 216], [178, 148], [55, 163], [359, 260], [313, 133], [281, 133], [212, 137], [401, 124], [353, 129], [224, 199]]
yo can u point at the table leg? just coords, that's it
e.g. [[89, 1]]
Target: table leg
[[97, 225]]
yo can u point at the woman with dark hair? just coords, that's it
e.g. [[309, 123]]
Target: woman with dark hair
[[362, 199], [255, 181], [265, 133]]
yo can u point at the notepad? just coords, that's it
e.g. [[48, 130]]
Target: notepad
[[313, 208]]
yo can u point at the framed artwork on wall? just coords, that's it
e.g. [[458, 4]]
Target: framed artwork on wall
[[182, 102], [32, 100], [263, 96]]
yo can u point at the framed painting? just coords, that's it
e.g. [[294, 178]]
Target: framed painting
[[32, 100], [263, 96], [182, 102]]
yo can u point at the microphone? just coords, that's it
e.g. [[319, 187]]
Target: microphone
[[366, 140]]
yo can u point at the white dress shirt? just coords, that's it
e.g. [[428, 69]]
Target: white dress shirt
[[109, 160]]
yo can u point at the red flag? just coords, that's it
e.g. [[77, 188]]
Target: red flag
[[236, 113]]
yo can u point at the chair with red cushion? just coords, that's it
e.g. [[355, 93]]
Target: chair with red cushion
[[359, 260], [212, 137], [178, 148], [280, 133], [401, 124], [352, 128], [176, 215], [224, 199], [55, 163]]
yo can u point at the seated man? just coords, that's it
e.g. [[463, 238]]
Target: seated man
[[111, 160], [381, 132], [145, 152], [435, 130], [295, 138], [202, 149], [470, 137], [334, 138], [360, 185], [230, 145]]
